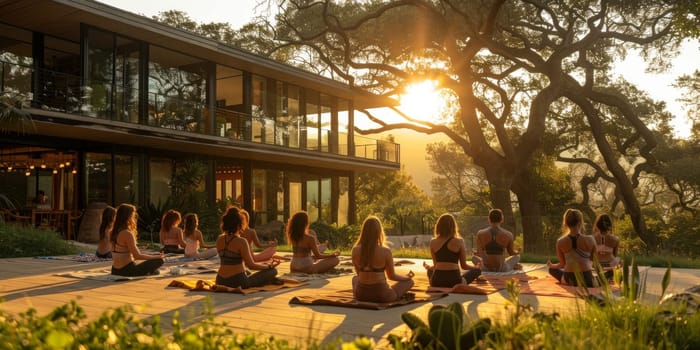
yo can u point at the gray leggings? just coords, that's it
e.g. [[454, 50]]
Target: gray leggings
[[132, 269]]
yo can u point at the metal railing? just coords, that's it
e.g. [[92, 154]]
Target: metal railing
[[57, 91]]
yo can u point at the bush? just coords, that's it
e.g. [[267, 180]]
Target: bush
[[67, 328], [342, 237], [22, 241]]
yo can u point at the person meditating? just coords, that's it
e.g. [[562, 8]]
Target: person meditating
[[124, 246], [194, 239], [304, 245], [104, 245], [575, 252], [607, 244], [449, 254], [171, 234], [492, 244], [234, 251], [374, 263], [268, 249]]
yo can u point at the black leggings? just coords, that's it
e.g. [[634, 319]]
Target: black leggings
[[244, 281], [449, 278], [173, 249], [570, 277], [132, 269]]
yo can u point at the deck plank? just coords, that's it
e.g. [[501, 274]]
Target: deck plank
[[28, 282]]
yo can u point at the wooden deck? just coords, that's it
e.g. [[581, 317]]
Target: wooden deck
[[28, 282]]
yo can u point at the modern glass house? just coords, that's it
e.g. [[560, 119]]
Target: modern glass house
[[121, 103]]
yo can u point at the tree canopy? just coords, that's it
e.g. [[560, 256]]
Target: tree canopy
[[520, 72]]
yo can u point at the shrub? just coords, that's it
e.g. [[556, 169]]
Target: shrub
[[22, 241]]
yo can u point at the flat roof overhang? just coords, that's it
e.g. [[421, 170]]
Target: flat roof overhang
[[69, 126], [62, 18]]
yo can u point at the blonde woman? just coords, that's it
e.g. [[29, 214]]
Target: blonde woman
[[268, 249], [171, 234], [449, 254], [304, 248], [194, 239], [374, 263], [575, 252], [124, 249]]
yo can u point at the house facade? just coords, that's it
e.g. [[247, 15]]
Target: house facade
[[123, 105]]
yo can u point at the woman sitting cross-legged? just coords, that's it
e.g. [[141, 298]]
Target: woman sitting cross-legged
[[268, 249], [234, 251], [304, 245], [575, 252], [124, 246], [449, 254], [374, 264], [171, 234], [607, 244], [194, 239], [104, 246]]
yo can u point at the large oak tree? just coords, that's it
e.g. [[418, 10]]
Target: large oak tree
[[508, 65]]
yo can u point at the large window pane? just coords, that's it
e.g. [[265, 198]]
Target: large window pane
[[326, 214], [343, 125], [59, 81], [312, 200], [260, 196], [126, 171], [230, 122], [15, 61], [312, 120], [343, 200], [100, 73], [176, 90], [98, 176], [325, 122], [161, 170]]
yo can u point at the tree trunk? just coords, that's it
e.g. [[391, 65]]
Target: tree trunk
[[531, 217], [499, 188]]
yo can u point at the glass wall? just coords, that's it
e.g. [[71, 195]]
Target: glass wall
[[343, 200], [161, 171], [313, 199], [230, 120], [229, 183], [325, 123], [325, 201], [126, 177], [312, 122], [176, 90], [343, 126], [15, 61], [60, 86], [98, 177]]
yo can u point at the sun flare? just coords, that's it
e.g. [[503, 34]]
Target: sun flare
[[422, 101]]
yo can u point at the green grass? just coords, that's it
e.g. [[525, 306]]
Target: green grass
[[24, 241]]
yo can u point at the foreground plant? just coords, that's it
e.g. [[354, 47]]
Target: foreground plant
[[67, 328], [624, 322]]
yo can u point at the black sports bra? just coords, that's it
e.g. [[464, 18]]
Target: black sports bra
[[228, 257], [492, 247], [444, 254]]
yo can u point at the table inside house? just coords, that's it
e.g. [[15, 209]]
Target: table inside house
[[57, 220]]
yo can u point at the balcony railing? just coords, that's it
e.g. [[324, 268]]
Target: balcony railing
[[63, 92]]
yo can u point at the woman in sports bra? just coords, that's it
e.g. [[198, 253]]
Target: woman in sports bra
[[374, 264], [234, 251], [124, 249], [449, 254], [268, 249], [194, 239], [171, 234], [575, 252], [104, 246], [304, 248], [607, 243]]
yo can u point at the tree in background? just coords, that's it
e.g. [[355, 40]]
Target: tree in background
[[507, 65]]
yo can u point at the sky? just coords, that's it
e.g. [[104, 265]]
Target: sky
[[240, 12]]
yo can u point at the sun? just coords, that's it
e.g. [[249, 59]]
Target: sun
[[422, 101]]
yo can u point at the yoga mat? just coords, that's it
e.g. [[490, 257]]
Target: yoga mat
[[84, 258], [483, 285], [344, 298], [548, 286], [211, 286], [300, 276], [105, 274]]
